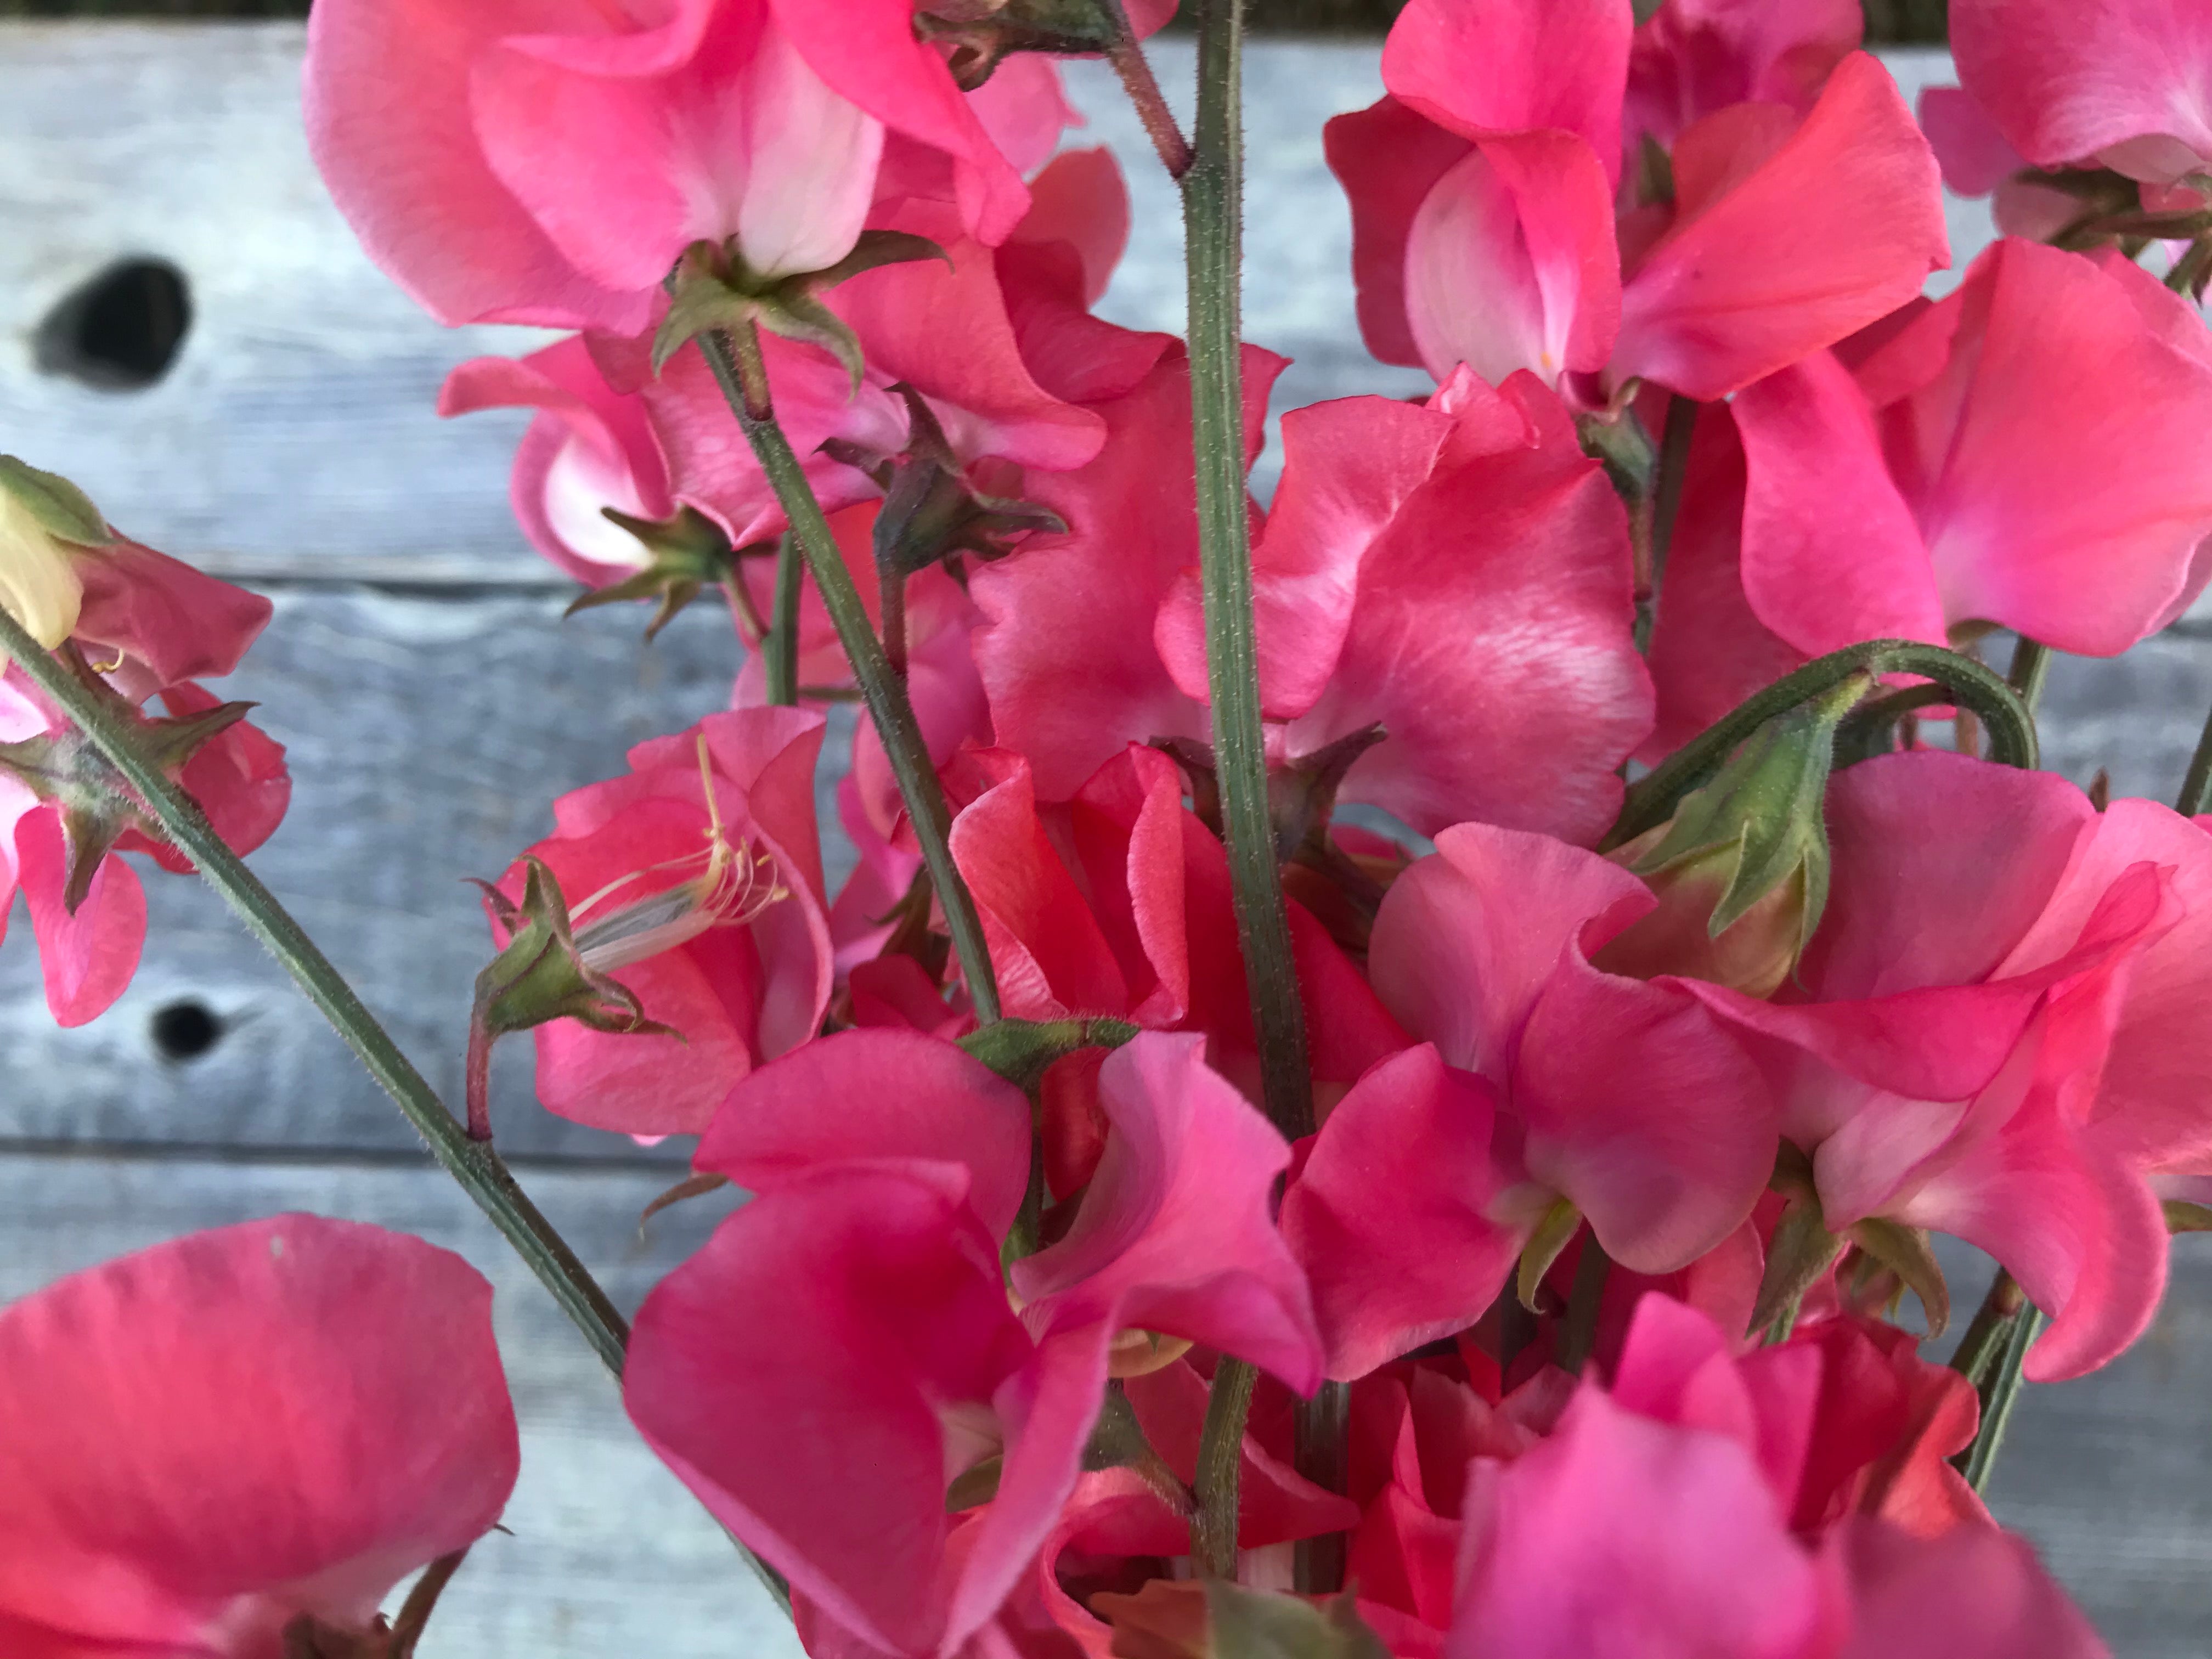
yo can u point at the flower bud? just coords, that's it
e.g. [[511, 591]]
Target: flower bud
[[44, 522], [1740, 870]]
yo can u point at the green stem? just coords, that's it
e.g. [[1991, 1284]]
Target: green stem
[[2031, 667], [1653, 800], [1322, 1427], [1213, 200], [471, 1163], [1668, 480], [1990, 1356], [782, 641], [2196, 786], [481, 1172], [1578, 1332], [735, 358], [1220, 1452]]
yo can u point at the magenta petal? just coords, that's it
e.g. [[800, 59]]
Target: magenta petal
[[1831, 553], [1515, 66], [1780, 250], [864, 1095], [1972, 1593], [1618, 1535], [87, 958], [1176, 1233], [819, 1371], [172, 1489], [161, 612], [1975, 156], [1391, 1213]]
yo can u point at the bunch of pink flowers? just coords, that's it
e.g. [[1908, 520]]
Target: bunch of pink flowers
[[1187, 1217]]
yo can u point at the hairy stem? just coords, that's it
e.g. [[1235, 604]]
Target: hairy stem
[[1127, 57], [1972, 686], [735, 358], [780, 643], [1213, 199], [1990, 1356], [1220, 1449]]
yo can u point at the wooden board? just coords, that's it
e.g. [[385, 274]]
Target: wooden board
[[435, 704]]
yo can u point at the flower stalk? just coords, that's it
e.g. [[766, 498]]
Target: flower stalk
[[735, 357]]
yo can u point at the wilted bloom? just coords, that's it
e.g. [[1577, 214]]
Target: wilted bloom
[[46, 524], [239, 1443], [696, 882]]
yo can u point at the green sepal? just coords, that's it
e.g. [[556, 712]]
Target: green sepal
[[1116, 1441], [1906, 1252], [1767, 803], [62, 510], [1800, 1250], [875, 249], [1023, 1050], [1559, 1226], [690, 554], [982, 35], [541, 976], [708, 290], [800, 316], [713, 289], [1249, 1624]]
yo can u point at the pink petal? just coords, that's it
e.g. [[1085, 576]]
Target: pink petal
[[1975, 157], [171, 1491], [1388, 157], [795, 1374], [1080, 200], [1391, 1215], [1695, 57], [1976, 448], [1780, 250], [1518, 708], [87, 958], [1619, 1536], [1514, 67], [1832, 555], [1175, 1233], [2068, 80], [163, 614], [1975, 1593], [388, 123], [1511, 262], [866, 1095]]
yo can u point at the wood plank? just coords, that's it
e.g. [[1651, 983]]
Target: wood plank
[[2110, 1475]]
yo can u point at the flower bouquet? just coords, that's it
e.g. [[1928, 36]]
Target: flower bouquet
[[1387, 1074]]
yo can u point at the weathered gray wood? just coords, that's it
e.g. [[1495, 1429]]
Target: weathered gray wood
[[610, 1556], [429, 737]]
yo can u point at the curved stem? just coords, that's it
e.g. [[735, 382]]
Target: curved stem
[[2196, 795], [471, 1163], [735, 358], [1220, 1452], [2012, 729], [1126, 55]]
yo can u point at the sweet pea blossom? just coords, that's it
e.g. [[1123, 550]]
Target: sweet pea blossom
[[1484, 211], [244, 1439], [844, 1349], [514, 163], [1994, 1076], [696, 882]]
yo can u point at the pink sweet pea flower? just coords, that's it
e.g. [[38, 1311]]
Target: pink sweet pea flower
[[2118, 82], [1483, 197], [1136, 921], [1977, 160], [240, 1431], [1691, 57], [152, 626], [860, 1292], [589, 447], [2034, 450], [1461, 575], [1630, 1101], [548, 164], [696, 882], [1953, 1077]]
